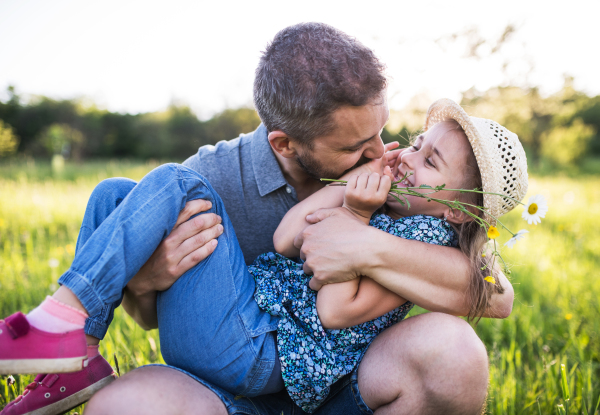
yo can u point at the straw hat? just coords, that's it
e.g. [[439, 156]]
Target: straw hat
[[499, 153]]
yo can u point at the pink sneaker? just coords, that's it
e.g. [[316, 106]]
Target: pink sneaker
[[57, 393], [25, 349]]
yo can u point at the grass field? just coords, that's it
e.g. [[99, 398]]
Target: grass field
[[555, 319]]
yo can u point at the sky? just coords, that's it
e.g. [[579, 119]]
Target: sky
[[140, 56]]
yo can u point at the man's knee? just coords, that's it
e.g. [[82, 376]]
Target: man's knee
[[155, 390], [454, 340], [437, 335], [433, 359], [456, 375]]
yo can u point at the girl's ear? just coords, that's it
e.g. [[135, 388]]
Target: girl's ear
[[282, 144], [456, 216]]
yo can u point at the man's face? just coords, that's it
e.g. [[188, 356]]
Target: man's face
[[355, 140]]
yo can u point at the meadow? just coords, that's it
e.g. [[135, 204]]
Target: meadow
[[555, 319]]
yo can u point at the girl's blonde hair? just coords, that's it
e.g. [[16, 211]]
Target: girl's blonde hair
[[472, 238]]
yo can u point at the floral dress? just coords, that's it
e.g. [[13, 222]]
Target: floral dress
[[313, 358]]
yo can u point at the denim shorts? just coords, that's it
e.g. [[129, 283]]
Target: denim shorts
[[344, 399]]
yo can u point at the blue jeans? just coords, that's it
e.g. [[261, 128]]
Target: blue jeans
[[209, 324]]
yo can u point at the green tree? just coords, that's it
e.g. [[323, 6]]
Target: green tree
[[60, 138], [566, 145], [522, 111], [230, 124], [590, 114], [9, 142], [185, 131]]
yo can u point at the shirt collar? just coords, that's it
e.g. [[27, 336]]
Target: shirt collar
[[269, 176]]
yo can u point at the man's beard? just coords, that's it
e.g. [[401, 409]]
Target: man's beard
[[317, 172]]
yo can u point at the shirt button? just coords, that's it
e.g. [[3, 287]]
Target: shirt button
[[288, 189]]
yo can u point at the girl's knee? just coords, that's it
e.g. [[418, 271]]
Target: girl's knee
[[115, 188]]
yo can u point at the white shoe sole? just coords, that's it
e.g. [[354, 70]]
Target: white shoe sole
[[34, 366], [74, 400]]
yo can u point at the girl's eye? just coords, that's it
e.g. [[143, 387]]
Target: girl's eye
[[428, 161], [415, 148]]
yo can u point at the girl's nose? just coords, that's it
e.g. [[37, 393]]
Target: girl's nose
[[408, 159]]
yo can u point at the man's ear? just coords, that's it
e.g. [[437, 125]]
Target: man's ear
[[282, 144], [456, 216]]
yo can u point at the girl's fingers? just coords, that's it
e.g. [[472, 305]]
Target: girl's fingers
[[394, 153], [387, 171], [373, 182], [384, 186], [391, 157], [351, 184], [391, 146], [362, 181]]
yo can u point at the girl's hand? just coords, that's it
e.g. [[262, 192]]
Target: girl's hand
[[377, 165], [364, 194], [395, 158], [392, 154]]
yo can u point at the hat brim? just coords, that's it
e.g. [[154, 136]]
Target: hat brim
[[445, 109]]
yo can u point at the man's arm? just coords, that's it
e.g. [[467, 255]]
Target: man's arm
[[190, 242], [338, 247]]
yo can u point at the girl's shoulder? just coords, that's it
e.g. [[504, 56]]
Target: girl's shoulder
[[418, 227]]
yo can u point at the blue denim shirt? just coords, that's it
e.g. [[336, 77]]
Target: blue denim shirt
[[246, 175]]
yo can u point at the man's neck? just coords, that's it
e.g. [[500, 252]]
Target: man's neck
[[297, 177]]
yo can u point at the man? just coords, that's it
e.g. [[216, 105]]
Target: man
[[321, 97]]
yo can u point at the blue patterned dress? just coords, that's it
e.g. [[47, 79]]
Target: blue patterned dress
[[313, 358]]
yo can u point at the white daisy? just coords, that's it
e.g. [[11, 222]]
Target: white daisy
[[518, 236], [535, 209]]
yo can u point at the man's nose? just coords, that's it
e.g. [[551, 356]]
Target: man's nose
[[375, 149]]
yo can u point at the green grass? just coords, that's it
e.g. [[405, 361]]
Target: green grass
[[555, 318], [40, 215]]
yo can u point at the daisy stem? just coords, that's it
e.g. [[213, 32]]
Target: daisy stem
[[412, 191]]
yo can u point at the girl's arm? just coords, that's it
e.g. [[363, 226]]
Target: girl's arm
[[362, 299], [354, 302], [294, 221]]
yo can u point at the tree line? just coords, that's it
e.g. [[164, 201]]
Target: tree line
[[43, 127], [561, 129]]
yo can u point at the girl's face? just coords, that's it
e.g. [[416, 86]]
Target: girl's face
[[437, 157]]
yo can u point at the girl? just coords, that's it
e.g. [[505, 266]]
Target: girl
[[260, 328]]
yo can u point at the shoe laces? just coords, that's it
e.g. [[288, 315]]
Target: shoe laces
[[33, 385]]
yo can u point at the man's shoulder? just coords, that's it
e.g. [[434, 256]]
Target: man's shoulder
[[224, 148], [221, 152]]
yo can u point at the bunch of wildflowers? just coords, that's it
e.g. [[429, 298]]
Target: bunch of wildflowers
[[535, 209]]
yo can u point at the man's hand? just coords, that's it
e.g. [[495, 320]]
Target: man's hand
[[332, 246], [189, 243]]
